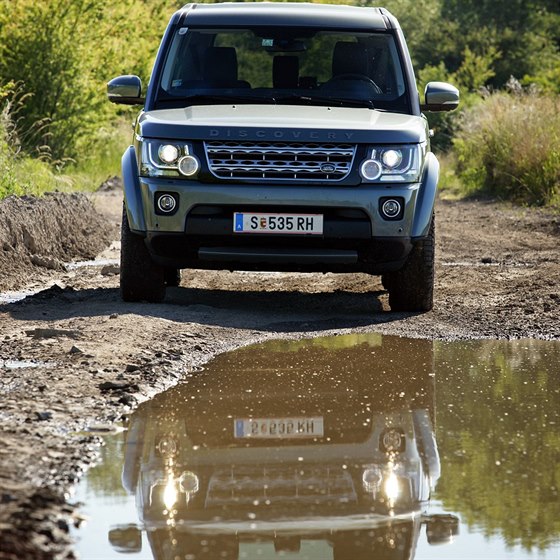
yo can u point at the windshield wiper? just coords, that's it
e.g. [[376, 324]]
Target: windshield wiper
[[203, 98], [323, 100]]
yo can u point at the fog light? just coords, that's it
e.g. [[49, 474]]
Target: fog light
[[371, 170], [188, 166], [391, 208], [166, 203]]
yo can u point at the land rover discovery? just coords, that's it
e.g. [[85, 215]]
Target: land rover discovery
[[282, 137]]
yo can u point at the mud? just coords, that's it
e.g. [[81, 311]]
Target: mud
[[74, 359]]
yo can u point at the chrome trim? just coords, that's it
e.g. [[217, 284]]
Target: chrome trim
[[282, 161], [280, 485]]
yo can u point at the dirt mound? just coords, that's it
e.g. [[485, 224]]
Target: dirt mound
[[38, 235]]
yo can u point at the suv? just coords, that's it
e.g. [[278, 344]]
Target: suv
[[285, 137]]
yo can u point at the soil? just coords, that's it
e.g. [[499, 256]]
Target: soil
[[75, 359]]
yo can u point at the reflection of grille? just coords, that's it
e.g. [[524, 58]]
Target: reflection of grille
[[279, 160], [320, 485]]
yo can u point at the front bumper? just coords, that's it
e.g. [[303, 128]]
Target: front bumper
[[356, 237]]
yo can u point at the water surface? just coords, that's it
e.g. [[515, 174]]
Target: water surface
[[343, 448]]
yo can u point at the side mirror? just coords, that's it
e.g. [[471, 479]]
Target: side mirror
[[440, 96], [442, 528], [125, 90], [126, 538]]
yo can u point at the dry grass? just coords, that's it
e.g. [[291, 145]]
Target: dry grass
[[509, 146]]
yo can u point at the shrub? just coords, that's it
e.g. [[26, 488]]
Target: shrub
[[62, 53], [509, 146]]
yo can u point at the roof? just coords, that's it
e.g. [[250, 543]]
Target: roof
[[298, 14]]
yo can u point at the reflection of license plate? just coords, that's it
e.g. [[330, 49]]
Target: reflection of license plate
[[278, 427], [247, 222]]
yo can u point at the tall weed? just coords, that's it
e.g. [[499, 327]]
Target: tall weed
[[509, 146], [21, 174]]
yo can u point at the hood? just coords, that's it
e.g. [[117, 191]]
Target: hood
[[289, 123]]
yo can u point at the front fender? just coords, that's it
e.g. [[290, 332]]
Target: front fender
[[132, 195], [426, 198]]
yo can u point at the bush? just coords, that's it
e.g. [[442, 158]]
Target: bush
[[509, 146], [61, 53], [21, 174]]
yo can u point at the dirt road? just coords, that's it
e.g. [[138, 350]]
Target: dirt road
[[74, 358]]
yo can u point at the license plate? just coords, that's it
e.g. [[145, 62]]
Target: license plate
[[247, 222], [278, 428]]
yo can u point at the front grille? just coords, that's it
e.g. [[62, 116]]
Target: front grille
[[243, 486], [280, 160]]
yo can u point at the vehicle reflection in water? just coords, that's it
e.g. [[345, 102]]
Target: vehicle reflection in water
[[329, 442]]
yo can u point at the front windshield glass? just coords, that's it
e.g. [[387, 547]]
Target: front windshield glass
[[282, 65]]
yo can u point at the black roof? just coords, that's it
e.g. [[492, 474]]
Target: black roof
[[326, 16]]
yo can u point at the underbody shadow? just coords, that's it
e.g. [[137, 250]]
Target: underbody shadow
[[259, 310]]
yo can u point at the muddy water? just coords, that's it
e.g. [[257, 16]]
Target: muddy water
[[343, 448]]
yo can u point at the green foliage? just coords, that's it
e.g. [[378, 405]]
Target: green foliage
[[509, 146], [497, 414], [104, 479], [20, 174], [40, 49], [57, 55], [62, 52], [101, 157], [470, 79], [526, 32]]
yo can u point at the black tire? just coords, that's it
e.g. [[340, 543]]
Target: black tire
[[172, 276], [412, 287], [141, 278]]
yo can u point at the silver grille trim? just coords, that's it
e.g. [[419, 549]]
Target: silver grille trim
[[280, 160], [276, 485]]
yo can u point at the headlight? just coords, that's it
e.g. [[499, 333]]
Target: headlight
[[168, 153], [161, 158], [391, 487], [188, 483], [393, 164]]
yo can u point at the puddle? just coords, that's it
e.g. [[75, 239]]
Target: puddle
[[342, 448], [7, 298], [97, 262], [14, 297], [24, 364]]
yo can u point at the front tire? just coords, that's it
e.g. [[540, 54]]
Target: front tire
[[141, 278], [412, 287], [172, 276]]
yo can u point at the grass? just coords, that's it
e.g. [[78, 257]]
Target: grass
[[509, 146], [105, 158], [21, 174]]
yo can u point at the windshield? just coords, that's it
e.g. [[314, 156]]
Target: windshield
[[282, 65]]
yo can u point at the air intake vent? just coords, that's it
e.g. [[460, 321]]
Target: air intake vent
[[280, 160]]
